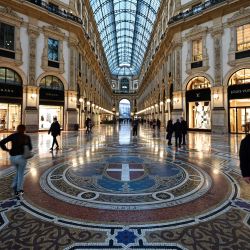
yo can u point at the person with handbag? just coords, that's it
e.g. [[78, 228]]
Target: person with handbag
[[55, 130], [19, 140]]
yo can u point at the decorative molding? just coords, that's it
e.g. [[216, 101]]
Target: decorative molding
[[240, 18], [33, 34], [12, 17], [197, 32], [55, 33]]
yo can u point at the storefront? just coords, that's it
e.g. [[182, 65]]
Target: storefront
[[198, 101], [11, 93], [239, 101], [51, 102]]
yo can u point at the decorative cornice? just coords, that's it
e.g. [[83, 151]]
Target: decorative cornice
[[54, 31], [241, 16]]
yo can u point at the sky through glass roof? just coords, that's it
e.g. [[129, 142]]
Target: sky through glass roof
[[125, 27]]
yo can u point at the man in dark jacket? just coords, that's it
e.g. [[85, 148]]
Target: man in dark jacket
[[55, 130], [245, 158], [183, 130], [177, 132]]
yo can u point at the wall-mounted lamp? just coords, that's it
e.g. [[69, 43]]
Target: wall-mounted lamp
[[176, 100], [93, 105], [88, 102], [161, 103], [81, 100], [168, 100], [216, 96], [156, 105]]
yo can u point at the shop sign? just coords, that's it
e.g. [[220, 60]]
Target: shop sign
[[198, 95], [8, 90], [240, 91], [51, 94]]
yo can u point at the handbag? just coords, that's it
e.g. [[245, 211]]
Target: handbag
[[27, 153]]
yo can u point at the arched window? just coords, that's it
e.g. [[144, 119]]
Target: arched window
[[199, 82], [124, 85], [240, 77], [9, 76], [51, 82]]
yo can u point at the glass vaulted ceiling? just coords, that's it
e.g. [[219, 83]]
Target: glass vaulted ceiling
[[125, 27]]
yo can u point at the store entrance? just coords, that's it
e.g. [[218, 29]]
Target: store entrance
[[47, 113], [10, 116], [240, 120]]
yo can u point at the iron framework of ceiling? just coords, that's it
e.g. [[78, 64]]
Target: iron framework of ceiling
[[125, 27]]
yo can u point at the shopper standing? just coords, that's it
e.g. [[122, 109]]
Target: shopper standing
[[169, 130], [183, 130], [245, 158], [177, 132], [18, 141], [135, 127], [55, 130]]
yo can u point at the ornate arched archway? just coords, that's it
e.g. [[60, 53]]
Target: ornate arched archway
[[198, 103], [239, 101]]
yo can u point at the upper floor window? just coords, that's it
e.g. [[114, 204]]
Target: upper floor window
[[53, 50], [124, 84], [243, 37], [7, 37], [197, 50]]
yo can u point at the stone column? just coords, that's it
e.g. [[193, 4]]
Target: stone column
[[71, 112], [31, 91], [219, 114], [177, 111]]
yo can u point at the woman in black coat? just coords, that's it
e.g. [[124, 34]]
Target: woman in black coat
[[245, 158], [169, 130]]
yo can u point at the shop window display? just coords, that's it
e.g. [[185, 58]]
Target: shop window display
[[200, 118], [10, 116], [47, 113]]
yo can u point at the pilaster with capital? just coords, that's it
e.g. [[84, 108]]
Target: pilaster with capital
[[33, 34], [217, 39]]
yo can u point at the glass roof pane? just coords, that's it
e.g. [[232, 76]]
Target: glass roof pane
[[125, 27]]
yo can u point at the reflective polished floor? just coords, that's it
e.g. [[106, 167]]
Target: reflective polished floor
[[110, 190]]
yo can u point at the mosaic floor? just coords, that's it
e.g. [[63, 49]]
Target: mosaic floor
[[109, 190]]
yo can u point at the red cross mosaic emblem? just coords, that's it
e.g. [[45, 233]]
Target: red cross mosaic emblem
[[125, 171]]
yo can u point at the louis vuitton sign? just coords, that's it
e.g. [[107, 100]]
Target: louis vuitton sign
[[198, 95], [241, 91]]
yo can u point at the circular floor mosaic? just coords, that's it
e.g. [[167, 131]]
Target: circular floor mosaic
[[126, 183]]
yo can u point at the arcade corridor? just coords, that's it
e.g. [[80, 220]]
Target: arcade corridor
[[109, 190]]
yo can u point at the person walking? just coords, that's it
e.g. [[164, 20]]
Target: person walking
[[158, 124], [55, 130], [18, 140], [177, 132], [135, 127], [244, 154], [169, 130], [183, 130]]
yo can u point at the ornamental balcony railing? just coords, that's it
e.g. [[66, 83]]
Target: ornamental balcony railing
[[195, 10], [124, 92], [51, 8]]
